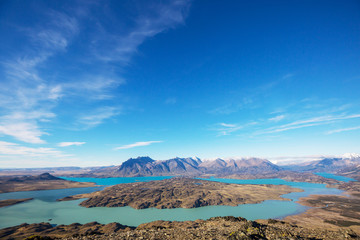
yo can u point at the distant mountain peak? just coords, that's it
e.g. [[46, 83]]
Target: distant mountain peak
[[351, 155]]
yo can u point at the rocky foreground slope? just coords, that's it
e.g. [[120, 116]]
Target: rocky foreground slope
[[214, 228], [182, 193]]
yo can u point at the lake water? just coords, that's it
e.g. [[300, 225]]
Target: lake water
[[336, 177], [44, 206]]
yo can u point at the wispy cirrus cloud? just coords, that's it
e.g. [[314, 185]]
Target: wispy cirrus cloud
[[8, 148], [137, 144], [224, 129], [12, 153], [27, 86], [249, 98], [343, 130], [24, 125], [277, 118], [23, 131], [153, 19], [97, 117], [23, 90], [67, 144], [93, 88], [310, 122]]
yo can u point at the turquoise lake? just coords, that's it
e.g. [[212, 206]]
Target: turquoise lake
[[336, 177], [44, 207]]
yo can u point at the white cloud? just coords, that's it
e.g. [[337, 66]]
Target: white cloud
[[152, 20], [289, 160], [13, 155], [24, 125], [23, 91], [27, 86], [277, 118], [137, 144], [93, 87], [310, 122], [343, 130], [227, 125], [67, 144], [227, 128], [8, 148], [23, 131], [98, 116]]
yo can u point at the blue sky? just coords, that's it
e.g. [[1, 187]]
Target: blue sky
[[96, 82]]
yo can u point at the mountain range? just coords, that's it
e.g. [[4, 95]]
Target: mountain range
[[146, 166], [337, 164]]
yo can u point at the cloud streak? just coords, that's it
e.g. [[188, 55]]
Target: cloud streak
[[23, 125], [343, 130], [277, 118], [152, 20], [310, 122], [67, 144], [224, 129], [8, 148], [137, 144], [97, 117]]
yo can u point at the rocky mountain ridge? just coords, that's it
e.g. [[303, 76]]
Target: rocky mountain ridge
[[334, 165], [145, 166]]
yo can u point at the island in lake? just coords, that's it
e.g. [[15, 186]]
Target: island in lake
[[182, 193]]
